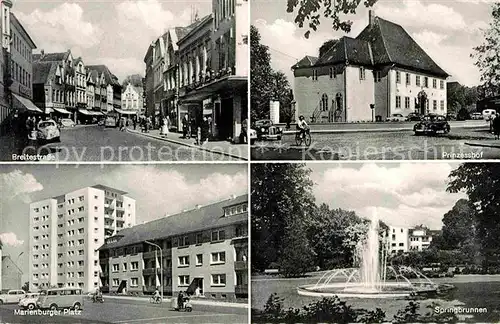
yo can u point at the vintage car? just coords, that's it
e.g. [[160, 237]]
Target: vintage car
[[48, 131], [29, 301], [476, 116], [266, 130], [432, 124], [12, 296], [66, 122], [253, 136], [414, 117], [395, 118]]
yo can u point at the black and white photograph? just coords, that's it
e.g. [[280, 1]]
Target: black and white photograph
[[142, 80], [375, 242], [374, 80], [124, 243]]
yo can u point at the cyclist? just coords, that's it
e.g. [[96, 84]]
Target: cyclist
[[302, 126], [156, 295]]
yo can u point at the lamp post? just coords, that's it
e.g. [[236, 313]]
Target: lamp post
[[161, 266]]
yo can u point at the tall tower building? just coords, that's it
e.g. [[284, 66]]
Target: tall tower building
[[66, 232]]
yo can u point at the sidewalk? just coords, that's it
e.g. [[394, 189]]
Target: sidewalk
[[198, 301], [237, 151]]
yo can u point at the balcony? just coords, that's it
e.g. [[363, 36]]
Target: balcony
[[240, 265], [152, 271], [241, 289]]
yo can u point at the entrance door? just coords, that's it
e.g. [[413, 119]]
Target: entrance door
[[199, 284], [226, 119]]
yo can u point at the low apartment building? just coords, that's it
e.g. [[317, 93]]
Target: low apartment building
[[66, 232], [404, 239], [204, 248]]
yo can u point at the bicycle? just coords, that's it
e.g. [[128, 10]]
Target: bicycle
[[155, 300], [306, 139]]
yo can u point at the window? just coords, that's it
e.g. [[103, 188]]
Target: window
[[332, 73], [184, 261], [218, 280], [407, 102], [408, 79], [96, 197], [324, 107], [315, 75], [434, 83], [417, 80], [218, 235], [378, 76], [362, 73], [183, 280], [442, 104], [426, 82], [116, 267], [398, 77], [393, 236], [401, 244], [218, 257], [398, 101], [116, 282], [441, 85], [124, 267], [199, 259], [434, 104], [199, 238], [184, 241], [96, 208], [134, 266], [134, 282]]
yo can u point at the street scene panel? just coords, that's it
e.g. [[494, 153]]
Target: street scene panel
[[90, 246], [374, 243], [155, 80], [408, 80]]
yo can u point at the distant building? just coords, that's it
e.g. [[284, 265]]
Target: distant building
[[132, 98], [383, 66], [205, 247], [11, 274], [403, 239], [66, 231]]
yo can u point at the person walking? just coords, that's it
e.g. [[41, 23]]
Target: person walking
[[204, 130], [496, 126], [185, 125], [134, 121]]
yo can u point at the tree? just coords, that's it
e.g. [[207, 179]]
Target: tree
[[326, 46], [458, 226], [26, 286], [266, 84], [486, 56], [309, 12], [297, 256], [134, 79], [481, 183], [281, 197]]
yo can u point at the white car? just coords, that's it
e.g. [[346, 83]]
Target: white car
[[396, 118], [12, 296], [489, 114], [29, 302], [253, 136], [66, 122], [47, 131]]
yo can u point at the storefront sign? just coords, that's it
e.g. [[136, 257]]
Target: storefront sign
[[25, 91]]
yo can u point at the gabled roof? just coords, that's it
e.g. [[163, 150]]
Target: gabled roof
[[23, 31], [194, 27], [42, 71], [101, 69], [380, 43], [51, 57], [391, 44], [205, 217], [92, 76]]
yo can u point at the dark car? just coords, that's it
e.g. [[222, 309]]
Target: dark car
[[414, 117], [432, 124], [266, 130]]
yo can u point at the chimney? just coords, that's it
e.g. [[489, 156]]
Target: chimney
[[198, 206], [371, 17], [42, 52]]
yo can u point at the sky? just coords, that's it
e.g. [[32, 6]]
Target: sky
[[447, 30], [159, 190], [111, 32], [402, 194]]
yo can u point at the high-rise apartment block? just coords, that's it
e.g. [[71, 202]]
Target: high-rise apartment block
[[66, 232]]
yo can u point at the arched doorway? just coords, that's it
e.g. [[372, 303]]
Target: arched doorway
[[339, 111], [422, 103]]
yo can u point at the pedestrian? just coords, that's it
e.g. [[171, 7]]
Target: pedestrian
[[197, 292], [194, 126], [180, 300], [134, 121], [204, 130], [496, 127], [185, 125]]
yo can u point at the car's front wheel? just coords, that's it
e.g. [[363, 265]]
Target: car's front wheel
[[31, 306], [77, 306], [53, 307]]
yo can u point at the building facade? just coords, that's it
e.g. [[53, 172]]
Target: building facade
[[204, 248], [132, 98], [7, 114], [11, 274], [391, 71], [80, 84], [149, 82], [66, 232], [48, 89], [403, 239]]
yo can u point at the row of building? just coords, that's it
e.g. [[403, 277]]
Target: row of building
[[381, 72], [202, 70], [55, 84], [407, 239], [88, 238]]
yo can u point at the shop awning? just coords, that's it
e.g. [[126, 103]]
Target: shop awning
[[85, 112], [126, 112], [62, 111], [49, 110], [96, 113], [25, 104], [229, 83]]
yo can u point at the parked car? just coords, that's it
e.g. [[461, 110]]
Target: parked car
[[48, 131], [395, 118], [414, 117], [451, 116], [266, 130], [12, 296], [432, 124], [29, 301], [476, 116], [253, 136], [66, 122], [489, 114], [61, 298]]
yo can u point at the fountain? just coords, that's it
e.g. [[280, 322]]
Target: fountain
[[371, 280]]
